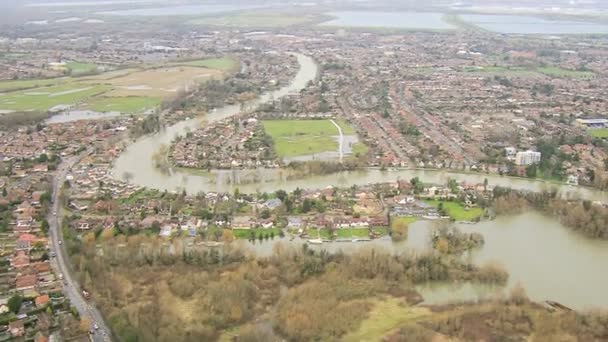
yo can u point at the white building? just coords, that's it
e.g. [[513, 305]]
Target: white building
[[527, 158]]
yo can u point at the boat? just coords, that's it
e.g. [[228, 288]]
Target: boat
[[315, 241]]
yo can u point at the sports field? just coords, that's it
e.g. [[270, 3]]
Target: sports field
[[294, 138]]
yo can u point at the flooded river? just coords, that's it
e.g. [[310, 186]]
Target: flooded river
[[549, 261]]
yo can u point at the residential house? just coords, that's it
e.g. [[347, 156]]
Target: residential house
[[20, 260], [242, 222], [42, 301], [26, 282], [294, 222], [16, 328]]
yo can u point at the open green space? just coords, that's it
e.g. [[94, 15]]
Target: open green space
[[457, 211], [42, 99], [352, 233], [304, 137], [564, 73], [25, 84], [318, 233], [127, 105], [551, 71], [258, 232], [347, 129], [385, 316], [78, 68], [598, 133], [402, 220], [224, 63], [109, 91], [255, 19]]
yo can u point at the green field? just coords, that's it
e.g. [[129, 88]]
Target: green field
[[318, 233], [107, 91], [564, 73], [352, 233], [259, 232], [42, 99], [77, 68], [224, 64], [254, 19], [458, 212], [598, 133], [550, 71], [304, 137], [25, 84], [127, 105], [385, 316]]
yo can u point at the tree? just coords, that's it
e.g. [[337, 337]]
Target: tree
[[155, 227], [44, 226], [265, 214], [227, 235], [14, 303]]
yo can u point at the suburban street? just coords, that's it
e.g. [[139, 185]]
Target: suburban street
[[61, 264]]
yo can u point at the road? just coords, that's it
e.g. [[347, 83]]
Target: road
[[61, 263], [340, 140]]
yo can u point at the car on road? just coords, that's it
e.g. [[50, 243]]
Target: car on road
[[60, 242], [96, 326], [54, 213]]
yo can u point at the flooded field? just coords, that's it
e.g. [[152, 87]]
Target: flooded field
[[404, 20]]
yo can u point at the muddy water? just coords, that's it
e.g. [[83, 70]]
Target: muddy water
[[547, 259]]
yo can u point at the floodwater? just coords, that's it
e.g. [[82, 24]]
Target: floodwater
[[405, 20], [519, 24], [136, 160], [547, 259], [178, 10], [76, 115]]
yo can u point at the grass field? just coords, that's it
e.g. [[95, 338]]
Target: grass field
[[598, 133], [254, 19], [353, 233], [318, 233], [42, 99], [407, 220], [224, 64], [304, 137], [25, 84], [77, 68], [457, 211], [246, 233], [127, 90], [550, 71], [127, 105], [564, 73], [386, 315]]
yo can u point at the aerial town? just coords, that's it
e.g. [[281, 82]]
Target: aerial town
[[256, 172]]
